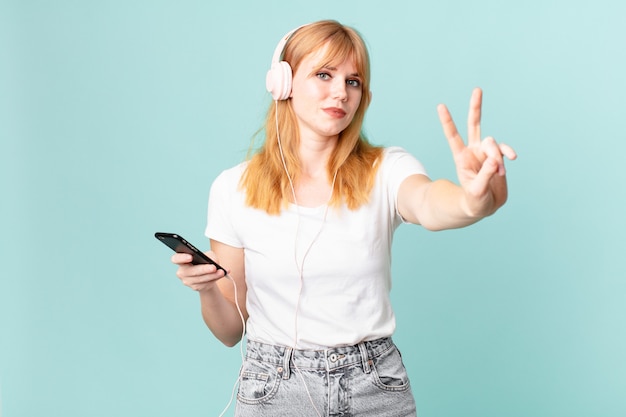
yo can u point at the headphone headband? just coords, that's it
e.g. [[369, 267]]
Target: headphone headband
[[278, 52]]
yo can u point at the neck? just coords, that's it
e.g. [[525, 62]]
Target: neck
[[314, 186], [314, 156]]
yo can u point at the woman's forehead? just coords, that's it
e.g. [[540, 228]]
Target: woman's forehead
[[326, 57]]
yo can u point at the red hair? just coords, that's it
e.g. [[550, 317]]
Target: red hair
[[353, 159]]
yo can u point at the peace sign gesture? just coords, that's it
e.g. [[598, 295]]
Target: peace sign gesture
[[480, 163]]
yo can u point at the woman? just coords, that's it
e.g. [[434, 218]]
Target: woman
[[305, 229]]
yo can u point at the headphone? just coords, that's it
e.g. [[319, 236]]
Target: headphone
[[279, 77]]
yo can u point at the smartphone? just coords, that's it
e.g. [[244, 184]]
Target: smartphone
[[180, 245]]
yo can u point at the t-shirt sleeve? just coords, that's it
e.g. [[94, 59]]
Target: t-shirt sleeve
[[220, 213], [398, 165]]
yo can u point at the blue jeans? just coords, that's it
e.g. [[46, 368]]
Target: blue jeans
[[368, 379]]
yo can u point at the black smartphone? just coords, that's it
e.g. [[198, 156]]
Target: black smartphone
[[180, 245]]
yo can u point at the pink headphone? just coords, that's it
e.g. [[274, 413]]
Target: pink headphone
[[279, 77]]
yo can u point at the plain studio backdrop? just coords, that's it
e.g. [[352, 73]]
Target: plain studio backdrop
[[115, 117]]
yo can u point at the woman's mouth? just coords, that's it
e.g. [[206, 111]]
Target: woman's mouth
[[335, 112]]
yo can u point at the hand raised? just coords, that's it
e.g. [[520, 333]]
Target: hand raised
[[480, 162]]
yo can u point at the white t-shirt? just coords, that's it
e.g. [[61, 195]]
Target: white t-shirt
[[342, 296]]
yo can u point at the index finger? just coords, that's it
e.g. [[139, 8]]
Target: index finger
[[449, 129], [181, 258]]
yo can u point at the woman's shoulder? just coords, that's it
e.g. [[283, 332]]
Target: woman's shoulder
[[396, 157], [391, 152], [229, 178], [232, 173]]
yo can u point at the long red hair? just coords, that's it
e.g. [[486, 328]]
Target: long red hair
[[354, 159]]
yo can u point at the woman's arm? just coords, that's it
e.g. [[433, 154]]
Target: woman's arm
[[217, 295], [442, 204]]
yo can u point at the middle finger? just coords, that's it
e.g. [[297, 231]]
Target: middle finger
[[473, 118]]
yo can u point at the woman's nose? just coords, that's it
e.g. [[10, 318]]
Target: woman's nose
[[339, 90]]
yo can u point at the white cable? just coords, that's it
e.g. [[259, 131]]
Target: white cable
[[282, 157], [243, 334], [243, 321], [300, 266], [301, 272]]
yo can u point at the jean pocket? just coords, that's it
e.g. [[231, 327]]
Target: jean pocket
[[258, 382], [389, 373]]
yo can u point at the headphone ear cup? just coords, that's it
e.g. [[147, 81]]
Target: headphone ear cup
[[278, 80]]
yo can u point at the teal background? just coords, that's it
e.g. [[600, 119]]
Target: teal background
[[115, 116]]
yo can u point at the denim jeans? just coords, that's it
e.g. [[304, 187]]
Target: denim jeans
[[368, 379]]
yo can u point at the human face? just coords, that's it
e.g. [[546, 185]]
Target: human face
[[325, 99]]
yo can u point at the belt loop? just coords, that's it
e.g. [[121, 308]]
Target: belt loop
[[287, 362], [364, 358]]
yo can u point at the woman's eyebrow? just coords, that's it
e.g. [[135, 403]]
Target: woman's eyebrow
[[331, 68]]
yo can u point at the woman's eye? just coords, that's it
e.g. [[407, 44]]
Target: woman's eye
[[323, 76], [354, 83]]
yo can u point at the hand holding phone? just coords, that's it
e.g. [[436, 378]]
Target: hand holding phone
[[178, 244]]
